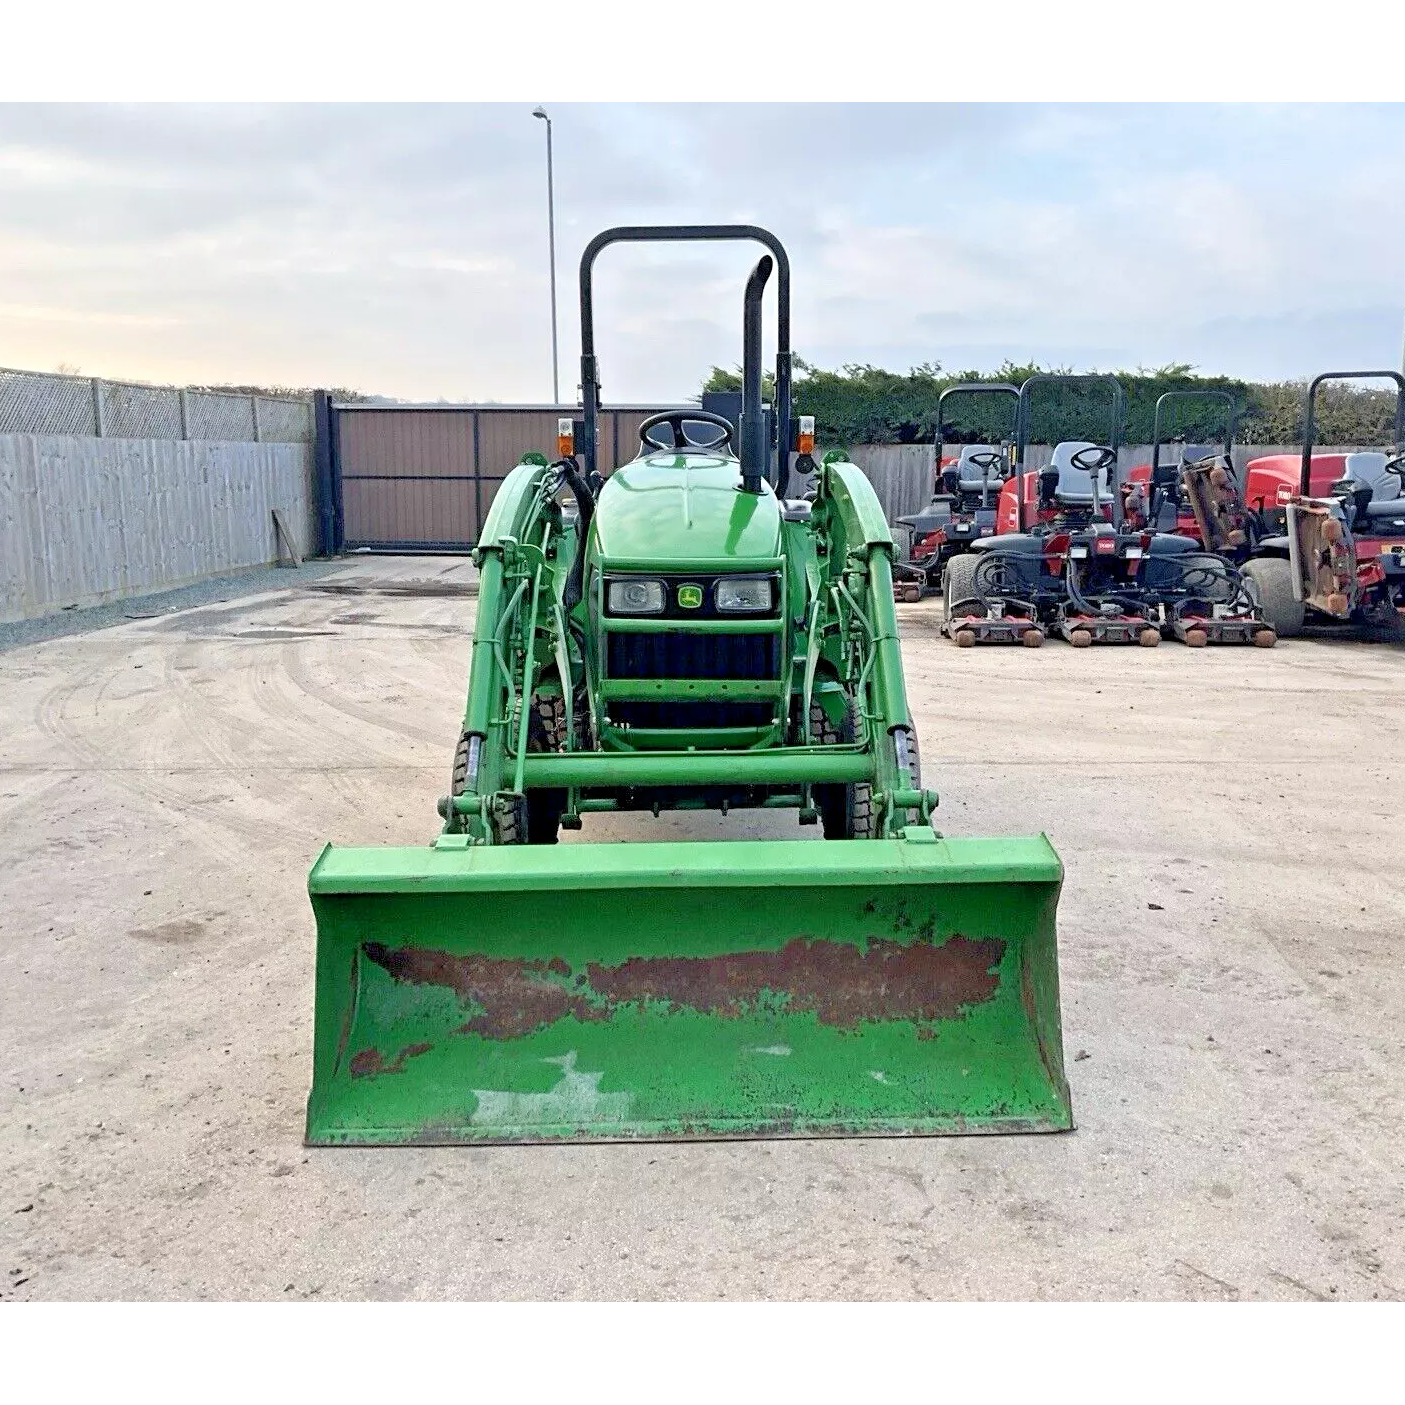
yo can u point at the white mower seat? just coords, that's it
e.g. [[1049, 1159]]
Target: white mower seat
[[1075, 485], [1368, 469], [968, 474]]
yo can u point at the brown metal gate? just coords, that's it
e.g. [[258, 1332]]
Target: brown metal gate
[[422, 477]]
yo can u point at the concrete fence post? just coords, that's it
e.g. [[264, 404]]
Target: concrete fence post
[[185, 412], [99, 428], [254, 401]]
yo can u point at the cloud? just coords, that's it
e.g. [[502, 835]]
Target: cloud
[[402, 248]]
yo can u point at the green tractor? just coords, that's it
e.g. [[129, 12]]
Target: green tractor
[[682, 635]]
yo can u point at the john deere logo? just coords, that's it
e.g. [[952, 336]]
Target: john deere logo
[[690, 597]]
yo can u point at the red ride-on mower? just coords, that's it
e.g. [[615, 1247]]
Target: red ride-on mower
[[1067, 559], [1059, 560], [1330, 529], [1202, 597], [964, 498]]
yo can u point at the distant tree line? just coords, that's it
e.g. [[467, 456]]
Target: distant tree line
[[288, 392], [868, 405]]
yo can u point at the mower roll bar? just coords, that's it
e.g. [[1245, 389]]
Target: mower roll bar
[[688, 233], [1310, 419], [1024, 418], [970, 388], [1231, 422]]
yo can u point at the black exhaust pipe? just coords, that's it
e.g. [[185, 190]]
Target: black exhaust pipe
[[753, 426]]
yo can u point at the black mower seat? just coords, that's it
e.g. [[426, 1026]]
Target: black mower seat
[[1075, 485], [931, 517], [1369, 470]]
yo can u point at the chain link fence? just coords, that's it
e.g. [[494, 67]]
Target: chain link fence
[[39, 402]]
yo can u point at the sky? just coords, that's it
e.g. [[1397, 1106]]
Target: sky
[[402, 250]]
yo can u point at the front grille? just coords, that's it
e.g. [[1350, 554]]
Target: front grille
[[692, 716], [741, 656]]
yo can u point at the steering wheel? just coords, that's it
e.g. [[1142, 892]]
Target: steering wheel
[[1093, 458], [986, 459], [676, 419], [1397, 467]]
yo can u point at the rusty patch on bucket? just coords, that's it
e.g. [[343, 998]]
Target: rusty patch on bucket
[[840, 984], [370, 1062]]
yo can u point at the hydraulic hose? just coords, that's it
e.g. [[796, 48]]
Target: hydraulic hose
[[585, 504]]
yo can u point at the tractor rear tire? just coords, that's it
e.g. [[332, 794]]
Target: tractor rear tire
[[846, 811], [1272, 578]]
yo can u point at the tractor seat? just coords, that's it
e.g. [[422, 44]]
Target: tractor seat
[[968, 474], [1075, 485], [1368, 469]]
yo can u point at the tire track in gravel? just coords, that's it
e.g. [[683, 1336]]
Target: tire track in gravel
[[211, 827], [338, 702]]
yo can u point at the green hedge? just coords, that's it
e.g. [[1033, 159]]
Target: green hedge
[[868, 405]]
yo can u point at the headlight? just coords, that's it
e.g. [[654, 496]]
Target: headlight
[[641, 597], [740, 596]]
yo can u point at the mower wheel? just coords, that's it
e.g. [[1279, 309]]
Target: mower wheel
[[1265, 638], [959, 586], [1272, 579], [1081, 638], [846, 811], [1196, 638], [965, 638], [1149, 638]]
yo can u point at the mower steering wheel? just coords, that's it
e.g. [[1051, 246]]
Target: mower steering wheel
[[986, 459], [1397, 467], [1093, 458], [676, 419]]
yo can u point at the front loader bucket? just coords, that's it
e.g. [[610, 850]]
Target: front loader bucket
[[737, 989]]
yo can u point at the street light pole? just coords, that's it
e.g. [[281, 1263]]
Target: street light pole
[[551, 242]]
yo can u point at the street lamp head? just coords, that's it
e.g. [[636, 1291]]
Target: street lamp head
[[540, 112]]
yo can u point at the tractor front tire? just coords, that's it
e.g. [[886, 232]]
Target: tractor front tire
[[1272, 578], [546, 731], [535, 818], [846, 811]]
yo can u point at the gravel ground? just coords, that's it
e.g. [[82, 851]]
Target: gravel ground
[[15, 634], [1230, 928]]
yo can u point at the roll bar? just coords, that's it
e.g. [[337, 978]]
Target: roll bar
[[687, 233], [1310, 419], [971, 388], [1024, 418], [1231, 422]]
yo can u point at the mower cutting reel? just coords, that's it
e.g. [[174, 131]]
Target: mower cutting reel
[[686, 637]]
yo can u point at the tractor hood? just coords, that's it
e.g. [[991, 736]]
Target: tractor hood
[[670, 507]]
